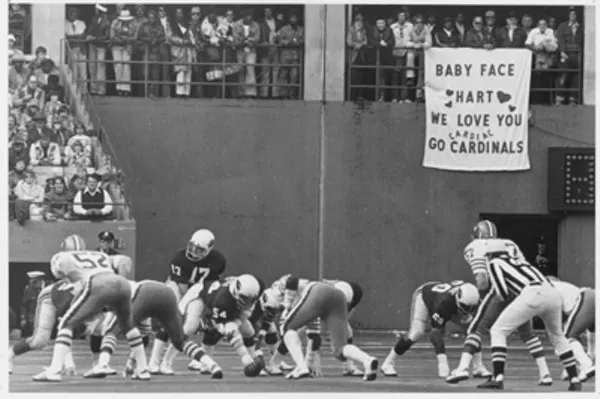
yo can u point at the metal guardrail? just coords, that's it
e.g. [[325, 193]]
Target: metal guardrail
[[377, 67], [224, 68]]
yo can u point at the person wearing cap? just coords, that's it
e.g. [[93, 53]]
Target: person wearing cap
[[511, 35], [448, 36], [122, 35], [246, 35], [93, 202], [96, 36], [107, 240], [29, 301], [17, 74], [291, 40], [75, 34], [45, 152], [570, 46]]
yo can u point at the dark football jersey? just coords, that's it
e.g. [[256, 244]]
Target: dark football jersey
[[440, 301], [62, 296], [185, 271], [221, 304]]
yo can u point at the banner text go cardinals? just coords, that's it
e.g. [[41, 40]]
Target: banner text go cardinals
[[476, 105]]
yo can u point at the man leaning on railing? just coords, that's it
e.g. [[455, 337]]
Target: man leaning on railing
[[291, 40], [97, 36], [75, 30], [570, 45], [153, 35], [93, 202]]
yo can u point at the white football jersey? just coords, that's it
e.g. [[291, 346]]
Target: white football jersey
[[289, 298], [569, 294], [479, 252], [79, 265]]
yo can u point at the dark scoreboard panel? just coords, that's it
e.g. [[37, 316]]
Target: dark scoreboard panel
[[571, 179]]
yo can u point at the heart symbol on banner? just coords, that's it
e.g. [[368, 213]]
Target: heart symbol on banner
[[511, 108], [449, 92], [448, 104], [503, 97]]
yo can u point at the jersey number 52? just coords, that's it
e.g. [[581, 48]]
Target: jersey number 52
[[91, 261]]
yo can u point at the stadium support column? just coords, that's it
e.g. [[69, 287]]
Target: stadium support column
[[48, 22], [314, 53], [589, 55], [335, 52]]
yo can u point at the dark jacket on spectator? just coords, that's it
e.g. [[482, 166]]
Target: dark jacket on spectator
[[33, 134], [155, 36], [567, 41], [442, 39], [58, 204], [476, 39], [265, 34], [503, 38], [14, 156], [353, 38], [386, 55], [100, 29]]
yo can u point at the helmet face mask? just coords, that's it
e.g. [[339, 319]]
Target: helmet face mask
[[196, 252], [467, 299], [245, 290], [200, 245]]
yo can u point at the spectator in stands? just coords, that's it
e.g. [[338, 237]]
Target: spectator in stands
[[165, 52], [51, 107], [291, 39], [75, 30], [17, 74], [356, 40], [552, 24], [83, 137], [404, 59], [38, 129], [25, 118], [76, 155], [198, 71], [17, 172], [41, 53], [268, 55], [92, 202], [58, 201], [122, 35], [383, 40], [477, 37], [30, 197], [543, 43], [420, 39], [570, 46], [45, 152], [53, 87], [511, 36], [461, 29], [490, 25], [527, 23], [447, 36], [152, 34], [213, 40], [13, 51], [78, 180], [246, 35], [107, 243], [13, 127], [97, 35], [182, 52], [64, 115], [17, 151], [47, 68], [233, 69], [115, 16], [60, 134], [29, 94], [137, 50]]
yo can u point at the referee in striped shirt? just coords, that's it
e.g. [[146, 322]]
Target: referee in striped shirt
[[534, 296]]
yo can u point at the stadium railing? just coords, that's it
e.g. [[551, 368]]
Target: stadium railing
[[376, 67], [223, 69]]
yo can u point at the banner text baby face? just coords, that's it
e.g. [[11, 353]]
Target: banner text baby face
[[487, 70]]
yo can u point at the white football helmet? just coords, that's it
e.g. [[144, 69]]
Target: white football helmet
[[484, 229], [270, 302], [467, 299], [73, 243], [245, 289], [200, 245]]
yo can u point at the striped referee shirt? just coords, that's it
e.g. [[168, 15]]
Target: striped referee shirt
[[508, 278]]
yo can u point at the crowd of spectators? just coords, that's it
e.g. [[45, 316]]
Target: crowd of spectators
[[394, 46], [52, 157], [251, 55]]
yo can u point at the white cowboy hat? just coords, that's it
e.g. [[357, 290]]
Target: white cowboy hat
[[125, 15], [101, 7], [35, 274]]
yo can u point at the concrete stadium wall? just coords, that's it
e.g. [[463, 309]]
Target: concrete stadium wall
[[250, 171]]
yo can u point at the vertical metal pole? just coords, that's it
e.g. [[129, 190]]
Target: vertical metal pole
[[223, 86], [146, 69], [322, 153]]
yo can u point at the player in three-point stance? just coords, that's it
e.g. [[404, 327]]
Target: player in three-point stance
[[579, 308], [96, 286], [484, 246], [534, 295], [433, 305], [53, 301], [318, 300], [150, 299], [224, 306]]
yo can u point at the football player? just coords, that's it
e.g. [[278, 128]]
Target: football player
[[225, 307], [305, 302], [198, 263], [433, 305], [96, 286], [150, 299], [579, 308], [52, 303], [484, 246]]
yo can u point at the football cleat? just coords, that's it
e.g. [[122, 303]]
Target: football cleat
[[216, 373], [166, 369], [481, 372], [575, 386], [154, 369], [350, 370], [286, 367], [388, 370], [47, 376], [299, 373], [274, 369], [492, 384], [143, 375], [443, 369], [96, 372], [545, 381], [371, 367], [457, 376], [263, 373], [70, 371], [586, 375]]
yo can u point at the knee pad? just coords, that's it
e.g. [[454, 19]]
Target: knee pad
[[249, 342], [282, 348], [162, 335], [211, 338], [315, 339], [95, 343], [271, 339]]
